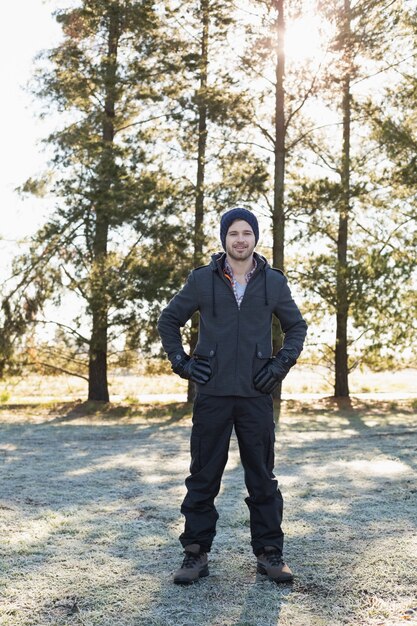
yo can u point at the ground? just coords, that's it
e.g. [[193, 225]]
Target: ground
[[89, 513]]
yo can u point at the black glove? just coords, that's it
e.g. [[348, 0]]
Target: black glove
[[198, 370], [269, 377]]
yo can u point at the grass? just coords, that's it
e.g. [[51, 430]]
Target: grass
[[131, 388], [89, 518]]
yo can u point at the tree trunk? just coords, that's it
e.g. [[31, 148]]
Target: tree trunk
[[97, 367], [278, 216], [341, 388], [201, 164]]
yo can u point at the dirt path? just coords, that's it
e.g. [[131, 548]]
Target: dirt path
[[89, 521]]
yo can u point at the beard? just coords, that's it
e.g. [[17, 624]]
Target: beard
[[241, 255]]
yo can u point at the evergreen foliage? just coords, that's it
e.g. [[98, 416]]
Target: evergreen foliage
[[115, 238], [348, 272], [169, 113]]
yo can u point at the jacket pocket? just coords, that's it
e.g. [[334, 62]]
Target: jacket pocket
[[263, 353], [270, 457], [195, 446], [207, 352]]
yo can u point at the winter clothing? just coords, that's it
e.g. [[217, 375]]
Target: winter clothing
[[271, 564], [228, 271], [235, 346], [194, 566], [235, 341], [238, 288], [213, 422], [193, 369], [237, 214], [273, 373]]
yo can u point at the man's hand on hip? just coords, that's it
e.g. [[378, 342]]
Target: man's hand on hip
[[269, 377], [197, 370]]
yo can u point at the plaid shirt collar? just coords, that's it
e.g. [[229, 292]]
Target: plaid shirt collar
[[228, 272]]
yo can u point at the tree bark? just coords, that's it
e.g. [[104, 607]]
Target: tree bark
[[202, 137], [201, 164], [341, 388], [278, 215], [97, 367]]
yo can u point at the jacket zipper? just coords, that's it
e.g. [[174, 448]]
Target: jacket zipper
[[228, 283]]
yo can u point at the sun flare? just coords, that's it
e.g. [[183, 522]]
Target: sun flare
[[306, 38]]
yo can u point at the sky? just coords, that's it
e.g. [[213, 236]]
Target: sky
[[26, 27]]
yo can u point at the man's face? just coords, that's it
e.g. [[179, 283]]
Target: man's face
[[240, 240]]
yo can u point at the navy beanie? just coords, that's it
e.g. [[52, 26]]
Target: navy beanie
[[237, 214]]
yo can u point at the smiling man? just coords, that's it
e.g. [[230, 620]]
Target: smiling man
[[235, 372]]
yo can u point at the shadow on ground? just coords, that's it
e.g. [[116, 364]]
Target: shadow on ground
[[89, 515]]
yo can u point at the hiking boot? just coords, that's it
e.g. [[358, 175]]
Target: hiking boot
[[193, 567], [270, 563]]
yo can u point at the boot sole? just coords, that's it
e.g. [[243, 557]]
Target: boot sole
[[187, 581], [285, 579]]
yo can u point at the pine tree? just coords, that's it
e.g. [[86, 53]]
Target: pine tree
[[114, 238], [211, 110], [391, 259], [279, 121], [346, 274]]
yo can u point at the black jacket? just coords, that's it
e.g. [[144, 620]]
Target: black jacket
[[237, 342]]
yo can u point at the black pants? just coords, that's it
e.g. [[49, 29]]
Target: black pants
[[213, 421]]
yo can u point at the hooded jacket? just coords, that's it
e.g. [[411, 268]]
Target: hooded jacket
[[237, 342]]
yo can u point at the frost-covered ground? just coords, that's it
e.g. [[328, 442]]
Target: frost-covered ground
[[89, 519]]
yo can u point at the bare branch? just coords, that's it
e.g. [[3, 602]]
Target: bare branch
[[123, 265], [386, 242], [266, 134], [49, 351], [309, 131], [250, 143], [48, 253], [60, 325], [58, 369], [319, 153], [150, 119], [384, 69], [304, 99]]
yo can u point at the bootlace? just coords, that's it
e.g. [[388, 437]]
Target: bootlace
[[190, 559], [273, 557]]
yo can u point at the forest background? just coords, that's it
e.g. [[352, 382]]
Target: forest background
[[160, 117], [153, 118]]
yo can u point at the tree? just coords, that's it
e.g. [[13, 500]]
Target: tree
[[211, 109], [393, 122], [283, 95], [350, 273], [115, 230], [341, 388]]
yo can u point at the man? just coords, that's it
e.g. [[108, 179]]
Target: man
[[235, 372]]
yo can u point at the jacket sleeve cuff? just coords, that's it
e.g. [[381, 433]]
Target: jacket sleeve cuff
[[286, 358], [178, 358]]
